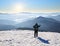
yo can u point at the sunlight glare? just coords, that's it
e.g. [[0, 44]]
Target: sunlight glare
[[18, 8]]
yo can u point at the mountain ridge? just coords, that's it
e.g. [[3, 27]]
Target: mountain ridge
[[47, 24]]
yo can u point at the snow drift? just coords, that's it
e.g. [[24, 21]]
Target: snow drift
[[26, 38]]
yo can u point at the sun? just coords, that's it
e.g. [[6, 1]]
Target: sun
[[18, 7]]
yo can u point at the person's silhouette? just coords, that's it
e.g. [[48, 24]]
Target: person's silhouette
[[36, 26]]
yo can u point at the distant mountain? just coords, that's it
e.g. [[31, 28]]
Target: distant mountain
[[55, 17], [7, 24], [6, 27], [47, 24]]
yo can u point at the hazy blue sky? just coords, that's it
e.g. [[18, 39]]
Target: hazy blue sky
[[13, 6]]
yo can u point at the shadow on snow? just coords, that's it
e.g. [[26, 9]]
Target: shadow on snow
[[43, 40]]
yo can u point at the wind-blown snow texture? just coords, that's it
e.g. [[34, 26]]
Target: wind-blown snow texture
[[26, 38]]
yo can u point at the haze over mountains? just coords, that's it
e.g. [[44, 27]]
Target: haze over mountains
[[23, 16], [55, 17], [48, 22]]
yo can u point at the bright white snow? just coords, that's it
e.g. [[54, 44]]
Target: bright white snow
[[26, 38]]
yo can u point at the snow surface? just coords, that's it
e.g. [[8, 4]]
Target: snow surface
[[26, 38]]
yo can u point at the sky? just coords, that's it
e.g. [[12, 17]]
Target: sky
[[36, 6]]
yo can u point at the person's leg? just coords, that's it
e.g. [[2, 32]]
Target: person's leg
[[35, 34]]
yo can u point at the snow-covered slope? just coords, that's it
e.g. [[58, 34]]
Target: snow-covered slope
[[26, 38]]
